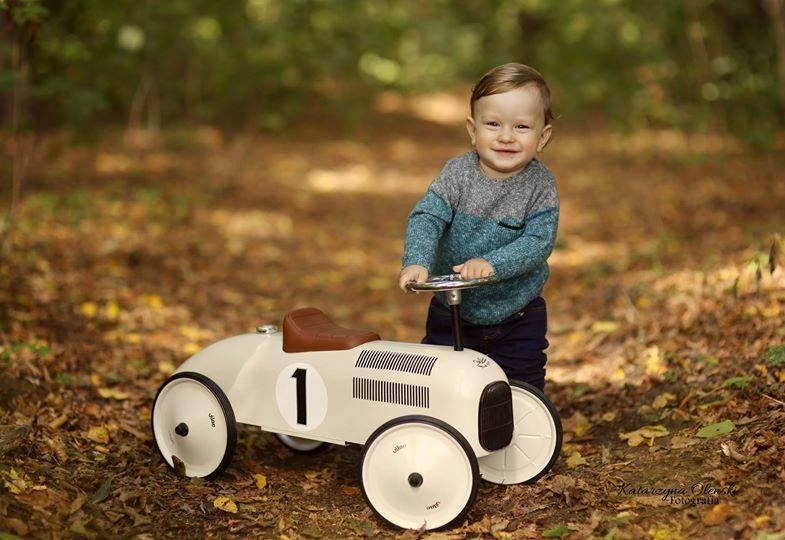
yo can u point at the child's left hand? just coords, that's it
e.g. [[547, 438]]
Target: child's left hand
[[474, 268]]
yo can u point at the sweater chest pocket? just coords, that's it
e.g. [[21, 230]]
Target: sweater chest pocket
[[509, 229]]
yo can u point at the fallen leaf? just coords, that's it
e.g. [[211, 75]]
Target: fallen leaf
[[718, 514], [605, 327], [102, 492], [226, 504], [575, 460], [113, 393], [88, 309], [654, 364], [715, 430], [662, 400], [98, 434], [577, 423], [261, 480], [648, 433], [179, 466], [560, 530]]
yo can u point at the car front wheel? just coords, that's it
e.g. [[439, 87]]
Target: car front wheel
[[418, 471], [193, 425]]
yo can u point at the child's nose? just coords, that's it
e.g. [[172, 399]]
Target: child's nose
[[505, 134]]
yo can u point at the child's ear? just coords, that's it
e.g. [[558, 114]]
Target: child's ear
[[470, 127], [545, 136]]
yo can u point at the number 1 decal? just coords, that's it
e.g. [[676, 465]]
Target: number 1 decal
[[302, 404]]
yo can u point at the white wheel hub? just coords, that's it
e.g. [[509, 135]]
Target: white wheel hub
[[417, 473], [535, 439], [300, 444], [188, 422]]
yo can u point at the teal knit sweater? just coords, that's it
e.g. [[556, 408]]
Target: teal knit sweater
[[510, 222]]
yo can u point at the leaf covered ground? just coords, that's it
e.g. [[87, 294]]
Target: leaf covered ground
[[666, 308]]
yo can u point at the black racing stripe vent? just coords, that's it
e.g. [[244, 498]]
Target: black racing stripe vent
[[410, 363], [390, 392], [495, 418]]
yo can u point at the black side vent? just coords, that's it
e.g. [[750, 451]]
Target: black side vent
[[496, 422], [410, 363], [390, 392]]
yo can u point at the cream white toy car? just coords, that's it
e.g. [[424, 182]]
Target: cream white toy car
[[433, 419]]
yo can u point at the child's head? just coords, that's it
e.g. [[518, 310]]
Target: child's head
[[510, 118]]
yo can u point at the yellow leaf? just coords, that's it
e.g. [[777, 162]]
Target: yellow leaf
[[577, 423], [153, 301], [112, 310], [98, 434], [165, 367], [643, 302], [226, 504], [95, 378], [662, 400], [609, 417], [261, 480], [88, 309], [575, 460], [132, 338], [191, 348], [618, 375], [605, 327], [190, 332], [718, 514], [772, 311], [654, 365], [112, 393], [649, 433]]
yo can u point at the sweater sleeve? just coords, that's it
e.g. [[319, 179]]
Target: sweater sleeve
[[429, 219], [534, 246]]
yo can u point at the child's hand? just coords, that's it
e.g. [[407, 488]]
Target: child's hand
[[413, 272], [474, 268]]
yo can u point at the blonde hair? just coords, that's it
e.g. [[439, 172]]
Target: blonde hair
[[509, 77]]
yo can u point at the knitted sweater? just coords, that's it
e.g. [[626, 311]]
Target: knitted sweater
[[510, 222]]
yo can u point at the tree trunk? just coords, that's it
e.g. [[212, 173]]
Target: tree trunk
[[776, 10]]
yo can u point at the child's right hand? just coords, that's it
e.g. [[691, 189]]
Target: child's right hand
[[413, 272]]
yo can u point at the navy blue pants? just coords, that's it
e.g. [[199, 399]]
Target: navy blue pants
[[517, 343]]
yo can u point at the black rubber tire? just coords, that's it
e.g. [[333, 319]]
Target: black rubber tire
[[556, 418], [457, 520], [226, 409]]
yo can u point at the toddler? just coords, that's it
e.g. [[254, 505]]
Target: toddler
[[493, 211]]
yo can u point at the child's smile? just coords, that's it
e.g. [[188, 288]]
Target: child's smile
[[507, 130]]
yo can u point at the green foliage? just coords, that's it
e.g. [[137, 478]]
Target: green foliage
[[263, 61], [715, 430], [775, 356], [737, 382]]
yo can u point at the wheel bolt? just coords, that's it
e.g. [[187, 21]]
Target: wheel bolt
[[415, 479]]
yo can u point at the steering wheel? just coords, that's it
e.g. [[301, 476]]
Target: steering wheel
[[452, 284]]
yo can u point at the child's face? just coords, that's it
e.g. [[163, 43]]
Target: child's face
[[508, 130]]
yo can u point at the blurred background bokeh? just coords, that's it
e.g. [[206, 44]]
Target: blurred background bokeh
[[693, 64]]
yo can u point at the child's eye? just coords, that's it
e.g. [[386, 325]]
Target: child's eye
[[522, 126], [492, 124]]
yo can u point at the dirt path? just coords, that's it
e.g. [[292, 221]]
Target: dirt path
[[129, 260]]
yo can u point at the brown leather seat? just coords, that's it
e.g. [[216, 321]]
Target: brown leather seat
[[308, 329]]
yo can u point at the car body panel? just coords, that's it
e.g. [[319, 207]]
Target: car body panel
[[343, 396]]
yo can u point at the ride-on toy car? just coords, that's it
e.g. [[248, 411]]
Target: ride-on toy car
[[432, 419]]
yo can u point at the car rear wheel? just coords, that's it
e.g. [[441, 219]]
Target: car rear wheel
[[418, 471], [193, 425], [301, 445], [536, 439]]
